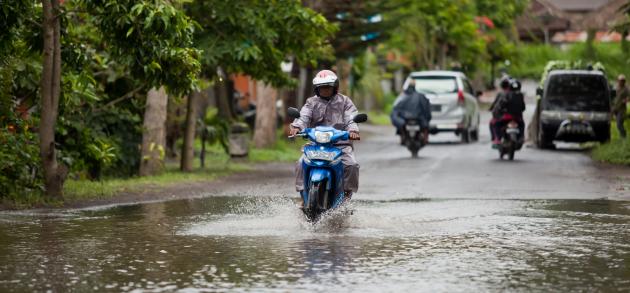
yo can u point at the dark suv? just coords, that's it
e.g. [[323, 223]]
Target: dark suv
[[574, 106]]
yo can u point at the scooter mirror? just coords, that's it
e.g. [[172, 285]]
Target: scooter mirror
[[293, 113], [360, 118]]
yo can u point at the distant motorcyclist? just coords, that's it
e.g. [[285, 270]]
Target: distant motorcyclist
[[330, 108], [496, 107], [511, 108], [411, 104]]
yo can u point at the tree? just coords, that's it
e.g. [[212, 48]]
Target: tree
[[432, 32], [54, 174], [253, 37], [190, 129], [154, 39], [623, 28]]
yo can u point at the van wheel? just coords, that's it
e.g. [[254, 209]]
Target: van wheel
[[465, 136], [544, 142]]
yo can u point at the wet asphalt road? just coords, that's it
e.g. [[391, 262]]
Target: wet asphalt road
[[456, 219], [449, 169]]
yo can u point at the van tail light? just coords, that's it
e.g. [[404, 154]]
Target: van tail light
[[460, 98]]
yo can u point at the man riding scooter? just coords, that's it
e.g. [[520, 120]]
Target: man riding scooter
[[411, 104], [509, 107], [495, 108], [330, 108]]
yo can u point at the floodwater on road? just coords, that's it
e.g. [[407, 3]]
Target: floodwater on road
[[264, 244]]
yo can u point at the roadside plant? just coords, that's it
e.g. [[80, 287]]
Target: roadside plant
[[20, 168]]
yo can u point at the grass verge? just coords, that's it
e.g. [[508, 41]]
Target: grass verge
[[379, 118], [217, 164], [78, 190], [617, 151]]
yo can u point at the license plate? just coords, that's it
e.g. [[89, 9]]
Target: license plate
[[436, 108], [413, 127]]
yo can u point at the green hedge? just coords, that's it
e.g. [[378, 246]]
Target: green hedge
[[617, 151], [531, 59]]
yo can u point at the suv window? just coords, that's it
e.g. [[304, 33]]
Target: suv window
[[436, 84], [576, 92]]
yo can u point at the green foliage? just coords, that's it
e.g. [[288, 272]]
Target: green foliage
[[282, 151], [255, 36], [355, 33], [369, 74], [427, 28], [20, 170], [152, 38], [77, 190], [214, 129], [501, 12], [530, 60], [617, 151]]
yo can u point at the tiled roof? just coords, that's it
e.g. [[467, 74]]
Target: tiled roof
[[579, 5]]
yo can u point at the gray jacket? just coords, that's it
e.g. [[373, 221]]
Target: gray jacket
[[319, 112]]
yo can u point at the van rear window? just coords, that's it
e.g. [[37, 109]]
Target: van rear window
[[575, 92]]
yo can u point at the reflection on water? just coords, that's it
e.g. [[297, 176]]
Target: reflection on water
[[259, 244]]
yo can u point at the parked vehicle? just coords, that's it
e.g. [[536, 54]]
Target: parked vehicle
[[510, 139], [414, 136], [323, 169], [573, 106], [454, 105]]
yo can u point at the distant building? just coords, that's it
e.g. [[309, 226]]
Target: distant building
[[567, 21]]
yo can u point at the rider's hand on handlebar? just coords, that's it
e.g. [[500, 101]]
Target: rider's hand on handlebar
[[294, 131], [354, 135]]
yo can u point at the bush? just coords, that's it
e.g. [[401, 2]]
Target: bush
[[617, 151], [531, 59], [20, 168]]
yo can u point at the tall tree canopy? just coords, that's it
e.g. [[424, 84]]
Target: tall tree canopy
[[255, 36]]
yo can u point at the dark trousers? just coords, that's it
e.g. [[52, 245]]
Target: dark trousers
[[620, 117]]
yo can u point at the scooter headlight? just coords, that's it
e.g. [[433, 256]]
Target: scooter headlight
[[320, 155], [323, 136]]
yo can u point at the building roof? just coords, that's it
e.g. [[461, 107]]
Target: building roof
[[579, 5]]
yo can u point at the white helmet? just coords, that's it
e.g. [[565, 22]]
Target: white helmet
[[325, 78]]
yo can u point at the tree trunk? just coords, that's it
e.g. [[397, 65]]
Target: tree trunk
[[188, 151], [625, 48], [301, 95], [265, 132], [202, 155], [175, 110], [442, 56], [54, 174], [223, 103], [590, 44], [154, 132]]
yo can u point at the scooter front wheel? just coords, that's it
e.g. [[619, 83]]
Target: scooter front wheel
[[312, 208]]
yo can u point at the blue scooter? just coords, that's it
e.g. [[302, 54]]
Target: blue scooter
[[323, 170]]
